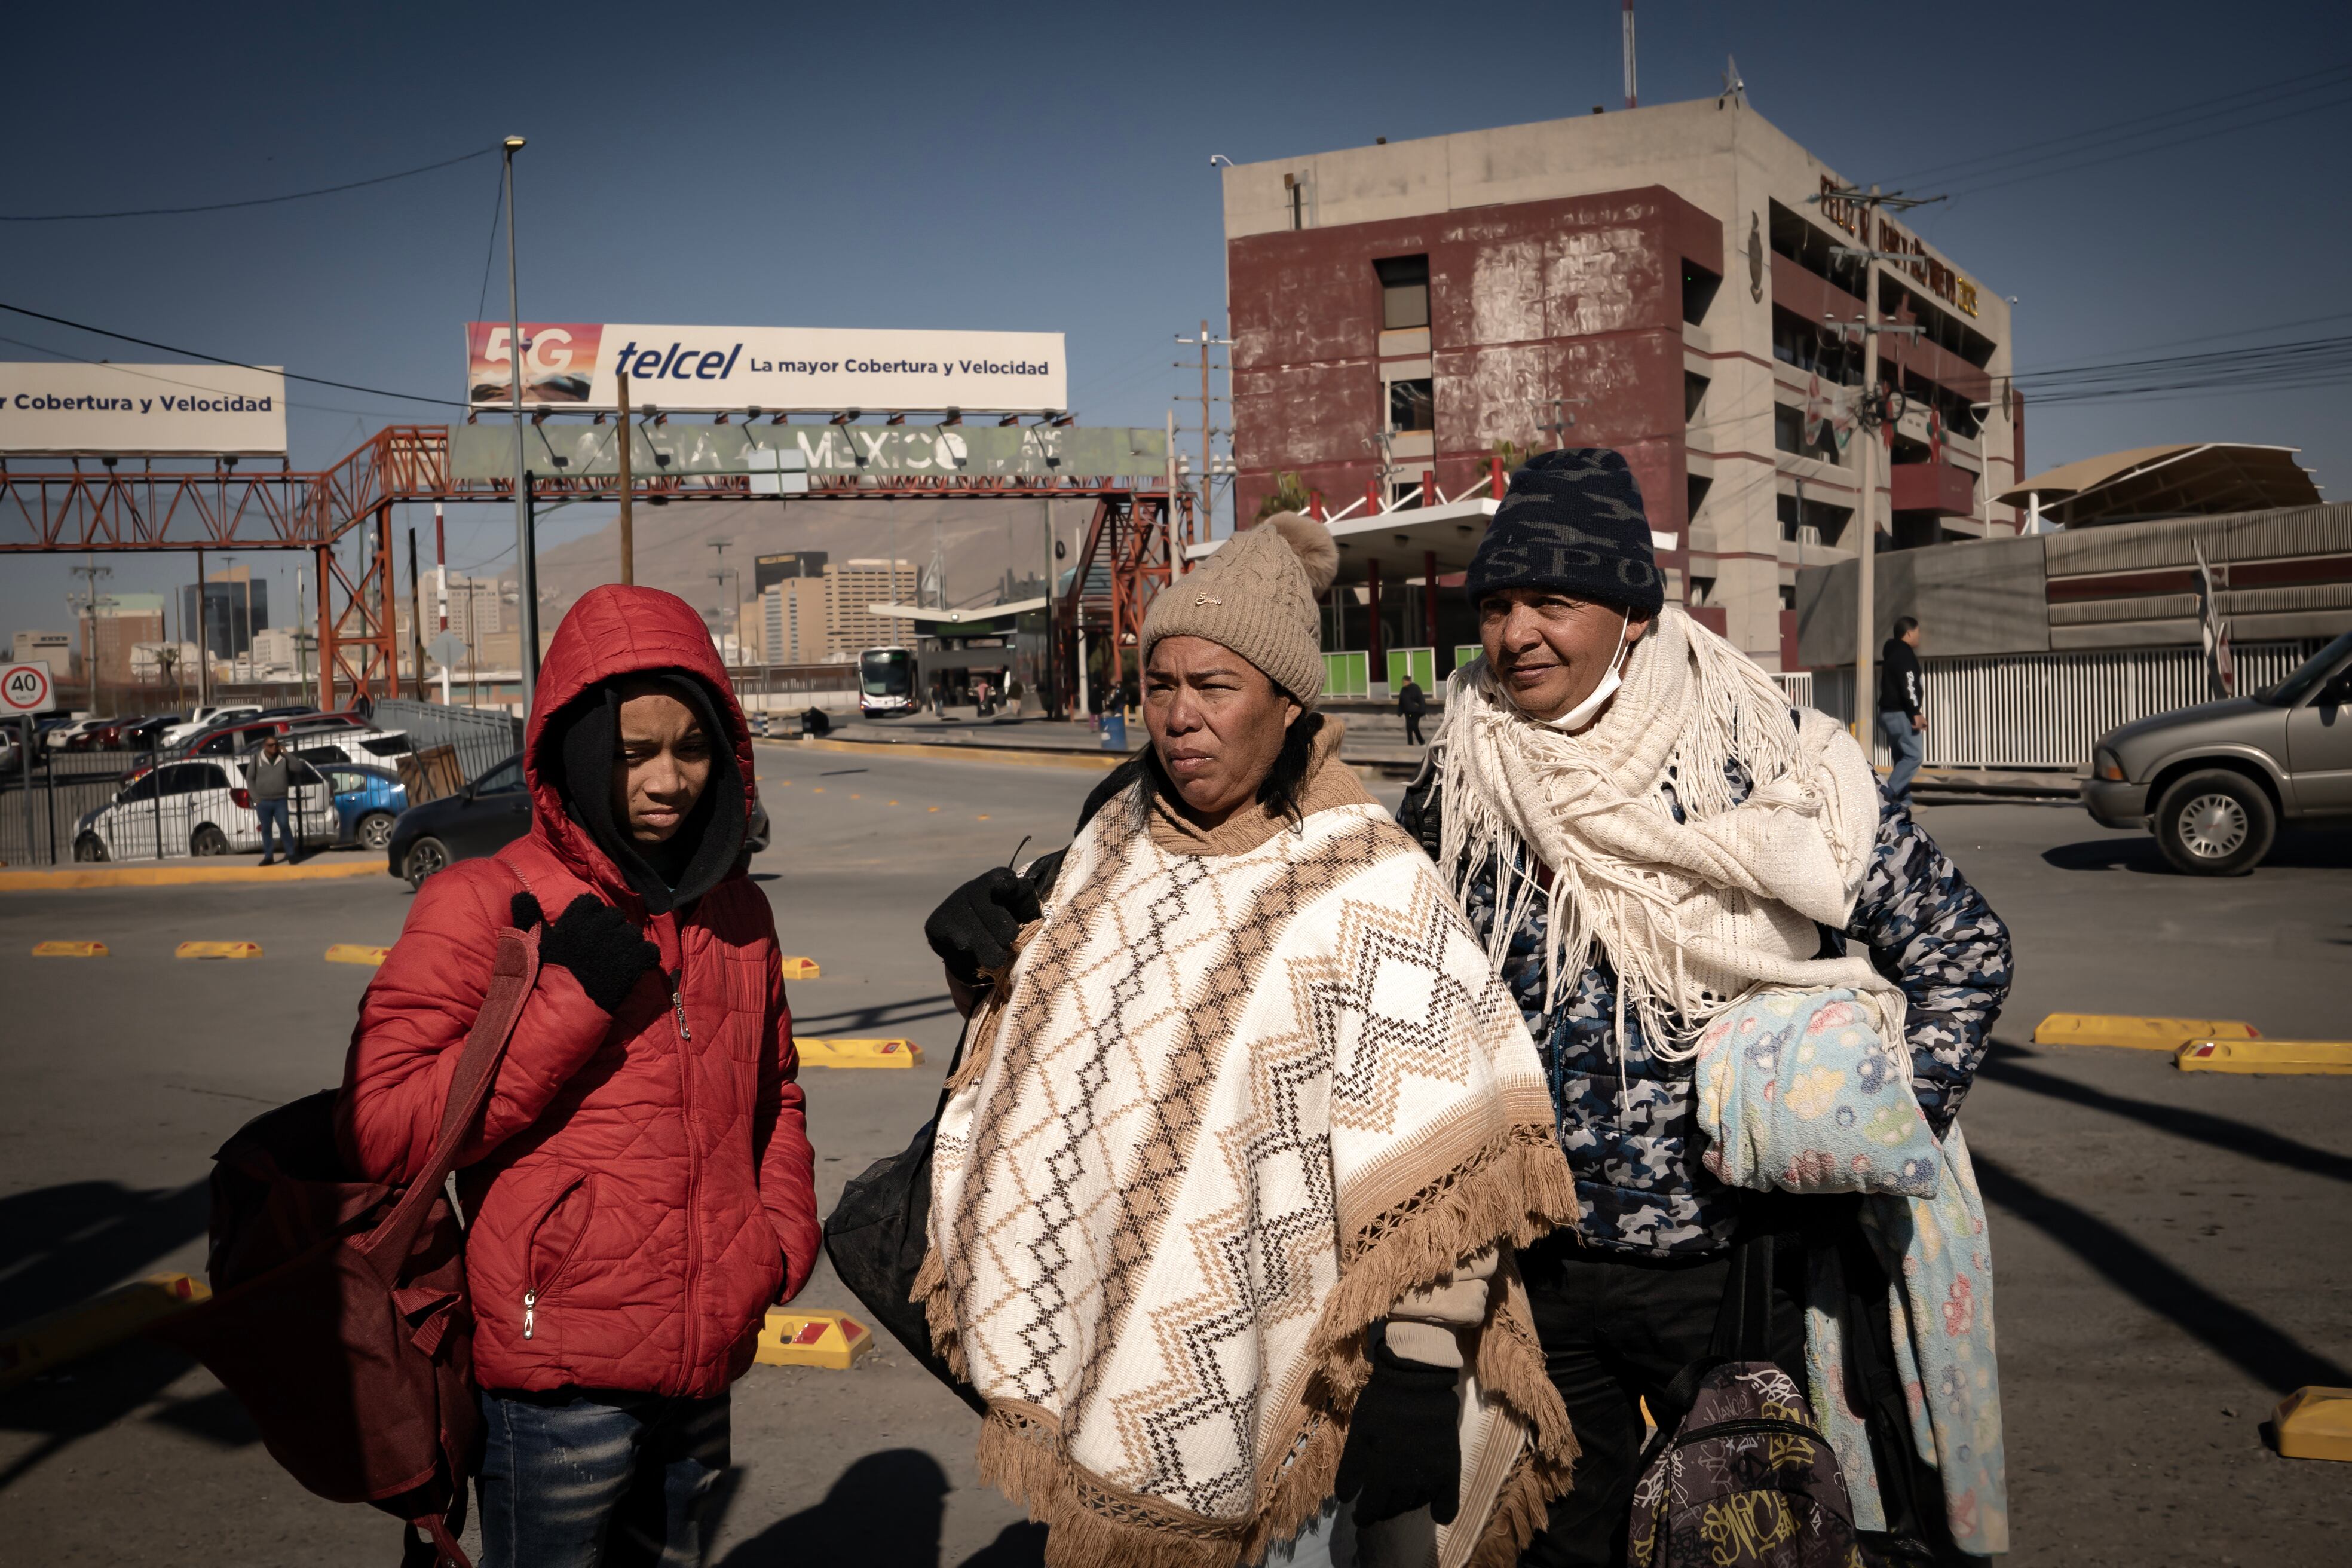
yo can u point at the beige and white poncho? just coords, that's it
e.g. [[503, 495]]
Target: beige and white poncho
[[1244, 1090]]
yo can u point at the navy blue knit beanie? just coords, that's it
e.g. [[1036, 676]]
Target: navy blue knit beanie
[[1572, 520]]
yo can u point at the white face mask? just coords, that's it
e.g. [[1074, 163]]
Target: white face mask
[[1610, 681]]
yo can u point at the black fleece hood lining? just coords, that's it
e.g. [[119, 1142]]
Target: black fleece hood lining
[[583, 741]]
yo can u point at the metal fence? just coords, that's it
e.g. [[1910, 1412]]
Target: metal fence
[[2029, 711], [482, 737], [40, 817]]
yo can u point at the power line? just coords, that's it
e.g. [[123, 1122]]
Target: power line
[[254, 202], [167, 381], [2161, 120], [234, 364], [1968, 190]]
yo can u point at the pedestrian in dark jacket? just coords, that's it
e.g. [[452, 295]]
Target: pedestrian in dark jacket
[[269, 779], [1900, 714], [1413, 702], [641, 1190], [1633, 1297]]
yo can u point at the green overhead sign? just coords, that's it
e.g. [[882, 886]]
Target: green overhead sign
[[553, 450]]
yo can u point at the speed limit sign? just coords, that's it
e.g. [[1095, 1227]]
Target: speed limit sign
[[25, 687]]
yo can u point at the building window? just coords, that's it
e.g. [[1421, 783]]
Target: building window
[[1788, 434], [1413, 405], [1694, 392], [1826, 523], [1404, 292], [1698, 292], [1788, 595]]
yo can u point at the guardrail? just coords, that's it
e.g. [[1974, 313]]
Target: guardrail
[[481, 737]]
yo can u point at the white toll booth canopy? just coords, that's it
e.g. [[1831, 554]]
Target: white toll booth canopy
[[1403, 541]]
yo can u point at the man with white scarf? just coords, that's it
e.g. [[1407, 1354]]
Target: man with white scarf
[[1642, 830]]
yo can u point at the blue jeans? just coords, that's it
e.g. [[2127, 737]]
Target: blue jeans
[[1909, 747], [597, 1480], [270, 811]]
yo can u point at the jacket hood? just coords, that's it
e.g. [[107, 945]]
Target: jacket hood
[[611, 632]]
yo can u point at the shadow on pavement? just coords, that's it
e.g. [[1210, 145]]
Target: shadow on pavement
[[2297, 848], [883, 1512], [2269, 1355], [885, 1015], [2004, 1064], [64, 1244]]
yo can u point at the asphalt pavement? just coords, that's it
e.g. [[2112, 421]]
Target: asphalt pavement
[[2170, 1249]]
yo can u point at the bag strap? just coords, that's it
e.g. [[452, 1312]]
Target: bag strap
[[512, 976], [1743, 1321]]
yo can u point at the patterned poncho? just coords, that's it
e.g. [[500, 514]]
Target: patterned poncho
[[1242, 1091]]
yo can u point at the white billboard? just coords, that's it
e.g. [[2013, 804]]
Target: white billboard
[[141, 410], [827, 370]]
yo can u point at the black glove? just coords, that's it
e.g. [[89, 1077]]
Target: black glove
[[974, 926], [605, 952], [1404, 1448]]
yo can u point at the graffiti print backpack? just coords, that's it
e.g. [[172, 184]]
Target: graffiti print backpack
[[1738, 1475]]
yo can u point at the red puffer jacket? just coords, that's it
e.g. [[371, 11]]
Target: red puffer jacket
[[645, 1178]]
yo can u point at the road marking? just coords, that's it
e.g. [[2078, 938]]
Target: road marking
[[353, 953], [801, 1336], [63, 880], [935, 808], [69, 950], [217, 950]]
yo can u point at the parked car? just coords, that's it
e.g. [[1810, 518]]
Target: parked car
[[55, 736], [147, 733], [209, 716], [483, 819], [368, 801], [324, 728], [199, 807], [2214, 781], [86, 736]]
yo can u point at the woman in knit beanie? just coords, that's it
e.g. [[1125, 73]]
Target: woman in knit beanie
[[1225, 1186]]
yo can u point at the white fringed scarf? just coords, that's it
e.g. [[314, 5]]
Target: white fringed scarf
[[1694, 915]]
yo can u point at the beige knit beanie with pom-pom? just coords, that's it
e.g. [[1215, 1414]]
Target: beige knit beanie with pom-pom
[[1256, 596]]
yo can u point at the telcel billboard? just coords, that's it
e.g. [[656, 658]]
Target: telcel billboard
[[778, 370], [141, 410]]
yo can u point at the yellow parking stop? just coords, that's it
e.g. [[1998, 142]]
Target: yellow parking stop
[[2137, 1033], [2284, 1058], [859, 1053], [217, 950]]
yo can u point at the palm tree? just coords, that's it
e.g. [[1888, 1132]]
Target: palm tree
[[1289, 495]]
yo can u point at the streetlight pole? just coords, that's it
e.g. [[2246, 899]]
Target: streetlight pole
[[526, 568]]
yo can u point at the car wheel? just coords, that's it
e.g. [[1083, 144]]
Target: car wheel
[[207, 840], [2216, 823], [374, 830], [89, 846], [426, 857]]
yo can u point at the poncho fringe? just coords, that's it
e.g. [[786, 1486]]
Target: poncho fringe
[[1516, 1189]]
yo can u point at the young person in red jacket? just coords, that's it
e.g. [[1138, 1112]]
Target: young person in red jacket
[[642, 1188]]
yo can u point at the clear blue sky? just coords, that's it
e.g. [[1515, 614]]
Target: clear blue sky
[[1048, 169]]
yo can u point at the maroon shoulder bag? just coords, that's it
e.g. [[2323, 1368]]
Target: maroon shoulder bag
[[340, 1318]]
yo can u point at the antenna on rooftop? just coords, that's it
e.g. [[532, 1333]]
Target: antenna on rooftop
[[1632, 100]]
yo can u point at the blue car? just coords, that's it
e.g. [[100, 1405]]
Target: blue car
[[367, 801]]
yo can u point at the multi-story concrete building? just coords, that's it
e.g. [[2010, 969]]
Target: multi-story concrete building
[[117, 624], [794, 624], [1662, 280], [851, 589], [225, 611]]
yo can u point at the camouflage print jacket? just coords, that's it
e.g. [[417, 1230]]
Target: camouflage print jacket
[[1629, 1131]]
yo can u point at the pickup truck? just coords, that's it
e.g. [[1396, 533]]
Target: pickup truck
[[2214, 781]]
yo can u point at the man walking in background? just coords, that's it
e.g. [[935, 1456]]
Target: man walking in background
[[270, 778], [1413, 702], [1900, 690]]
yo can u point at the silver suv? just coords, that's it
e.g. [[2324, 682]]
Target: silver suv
[[2213, 781]]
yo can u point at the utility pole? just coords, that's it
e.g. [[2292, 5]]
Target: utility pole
[[89, 572], [1632, 100], [526, 567], [415, 621], [1205, 343], [440, 591], [205, 636], [1880, 407], [628, 523], [720, 546]]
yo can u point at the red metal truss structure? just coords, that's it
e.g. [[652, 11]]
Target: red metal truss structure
[[1131, 534], [51, 510]]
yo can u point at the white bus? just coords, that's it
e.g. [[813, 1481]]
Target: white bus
[[885, 681]]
